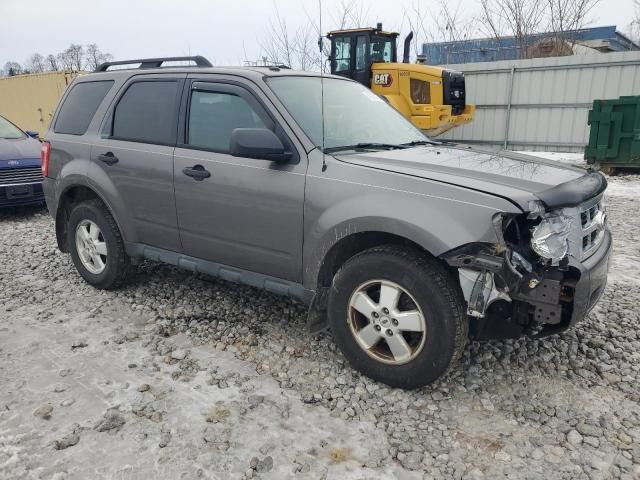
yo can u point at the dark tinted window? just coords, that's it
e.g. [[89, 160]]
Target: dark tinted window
[[79, 106], [214, 115], [343, 54], [147, 113], [361, 52], [381, 49], [420, 91]]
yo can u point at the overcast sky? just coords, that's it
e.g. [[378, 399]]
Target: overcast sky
[[226, 32]]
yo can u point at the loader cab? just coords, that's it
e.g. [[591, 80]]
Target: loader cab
[[353, 51]]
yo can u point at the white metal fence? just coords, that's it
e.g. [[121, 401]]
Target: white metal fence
[[542, 103]]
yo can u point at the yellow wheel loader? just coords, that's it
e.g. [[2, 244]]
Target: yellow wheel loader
[[432, 98]]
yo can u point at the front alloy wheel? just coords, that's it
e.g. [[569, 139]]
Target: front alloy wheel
[[398, 315], [387, 322]]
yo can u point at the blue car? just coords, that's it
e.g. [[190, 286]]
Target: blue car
[[20, 166]]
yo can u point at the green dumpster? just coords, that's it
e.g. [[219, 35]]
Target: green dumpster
[[614, 138]]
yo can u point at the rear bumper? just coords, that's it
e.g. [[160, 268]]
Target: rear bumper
[[21, 194], [49, 189]]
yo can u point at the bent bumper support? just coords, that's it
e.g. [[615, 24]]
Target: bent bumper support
[[506, 302]]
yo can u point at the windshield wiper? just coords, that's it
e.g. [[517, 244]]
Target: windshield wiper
[[416, 143], [372, 145]]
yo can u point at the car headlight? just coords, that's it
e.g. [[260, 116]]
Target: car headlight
[[549, 238]]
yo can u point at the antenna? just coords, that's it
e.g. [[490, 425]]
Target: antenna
[[324, 163]]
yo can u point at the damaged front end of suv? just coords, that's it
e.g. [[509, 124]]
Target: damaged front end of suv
[[547, 268]]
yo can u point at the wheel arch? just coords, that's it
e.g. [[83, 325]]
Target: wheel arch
[[336, 255], [351, 245], [71, 195]]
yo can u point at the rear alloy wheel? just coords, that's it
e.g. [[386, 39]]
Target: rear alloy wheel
[[398, 315], [91, 247], [96, 246]]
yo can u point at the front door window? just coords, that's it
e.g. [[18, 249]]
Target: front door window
[[214, 115]]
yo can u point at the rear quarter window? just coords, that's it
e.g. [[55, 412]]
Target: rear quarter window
[[80, 105]]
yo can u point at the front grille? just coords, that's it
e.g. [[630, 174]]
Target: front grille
[[453, 86], [20, 175], [588, 224]]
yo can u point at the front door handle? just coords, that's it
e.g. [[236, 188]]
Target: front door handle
[[197, 171], [109, 158]]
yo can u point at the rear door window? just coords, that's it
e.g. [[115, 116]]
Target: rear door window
[[80, 105], [147, 113]]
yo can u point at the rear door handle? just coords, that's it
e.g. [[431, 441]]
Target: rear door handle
[[109, 158], [197, 171]]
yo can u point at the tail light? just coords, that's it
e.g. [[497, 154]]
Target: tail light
[[45, 153]]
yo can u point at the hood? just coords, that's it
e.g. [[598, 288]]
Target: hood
[[20, 149], [516, 177]]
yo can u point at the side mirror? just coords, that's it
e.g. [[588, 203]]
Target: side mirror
[[259, 143], [33, 134]]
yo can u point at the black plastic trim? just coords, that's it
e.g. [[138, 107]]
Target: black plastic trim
[[275, 285], [199, 60], [574, 192]]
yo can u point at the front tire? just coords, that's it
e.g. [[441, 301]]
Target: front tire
[[96, 246], [398, 316]]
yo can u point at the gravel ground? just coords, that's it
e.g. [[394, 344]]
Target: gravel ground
[[182, 376]]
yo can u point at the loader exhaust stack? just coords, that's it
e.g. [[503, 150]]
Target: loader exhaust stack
[[407, 45]]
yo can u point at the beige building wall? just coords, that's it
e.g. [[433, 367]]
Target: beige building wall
[[30, 100]]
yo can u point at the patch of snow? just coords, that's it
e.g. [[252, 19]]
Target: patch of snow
[[626, 189]]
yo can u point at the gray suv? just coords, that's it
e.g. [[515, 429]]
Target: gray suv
[[314, 187]]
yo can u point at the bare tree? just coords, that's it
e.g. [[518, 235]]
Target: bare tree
[[520, 19], [52, 63], [567, 16], [306, 50], [94, 56], [72, 59], [298, 47], [351, 14], [417, 17], [452, 24], [278, 45], [634, 26], [36, 63], [12, 68]]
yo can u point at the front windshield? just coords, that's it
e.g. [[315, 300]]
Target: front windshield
[[9, 130], [352, 113]]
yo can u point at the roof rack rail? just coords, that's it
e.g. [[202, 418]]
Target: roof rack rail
[[199, 60]]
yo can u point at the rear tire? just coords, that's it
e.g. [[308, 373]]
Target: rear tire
[[96, 246], [409, 345]]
